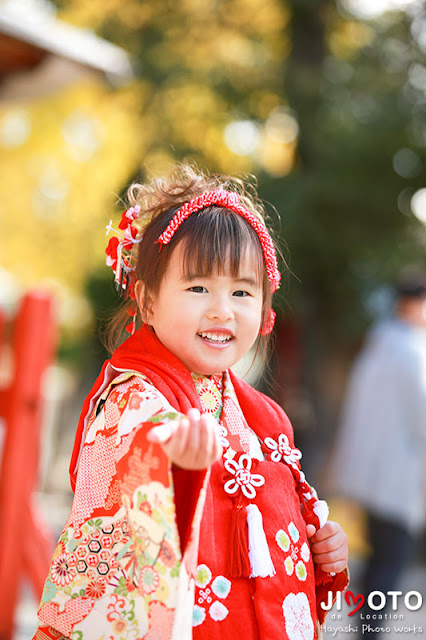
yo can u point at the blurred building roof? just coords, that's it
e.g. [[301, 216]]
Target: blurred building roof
[[30, 32]]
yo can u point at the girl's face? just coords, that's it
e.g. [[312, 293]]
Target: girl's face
[[208, 322]]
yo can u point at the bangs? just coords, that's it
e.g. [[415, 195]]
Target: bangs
[[216, 241]]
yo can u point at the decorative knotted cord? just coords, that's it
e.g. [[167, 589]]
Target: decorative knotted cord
[[248, 552], [314, 511]]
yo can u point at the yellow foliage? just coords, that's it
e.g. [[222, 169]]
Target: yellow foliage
[[57, 187], [265, 17], [263, 102], [94, 13], [348, 37], [277, 157]]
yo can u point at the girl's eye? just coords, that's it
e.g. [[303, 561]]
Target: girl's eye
[[198, 289], [241, 294]]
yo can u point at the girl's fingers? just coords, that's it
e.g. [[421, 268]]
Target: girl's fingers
[[329, 529], [329, 544], [324, 546], [192, 449], [181, 437], [160, 434], [172, 434], [217, 444], [192, 442], [206, 436], [193, 415], [335, 567], [333, 556], [310, 530]]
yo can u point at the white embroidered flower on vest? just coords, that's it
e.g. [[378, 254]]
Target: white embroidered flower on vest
[[243, 479], [208, 589], [282, 450], [296, 555], [297, 615]]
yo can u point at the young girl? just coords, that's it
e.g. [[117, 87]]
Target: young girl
[[191, 516]]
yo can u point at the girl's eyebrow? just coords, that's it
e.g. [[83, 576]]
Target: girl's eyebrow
[[186, 277], [250, 280]]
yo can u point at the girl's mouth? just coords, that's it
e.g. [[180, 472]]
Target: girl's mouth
[[215, 338]]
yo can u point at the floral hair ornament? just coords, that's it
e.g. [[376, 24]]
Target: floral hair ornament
[[121, 260], [231, 200]]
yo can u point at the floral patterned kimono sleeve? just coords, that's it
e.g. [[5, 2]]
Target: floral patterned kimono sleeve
[[118, 569]]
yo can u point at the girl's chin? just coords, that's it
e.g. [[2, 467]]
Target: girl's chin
[[205, 369]]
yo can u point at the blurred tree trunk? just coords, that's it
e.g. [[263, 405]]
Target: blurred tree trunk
[[302, 87], [303, 77]]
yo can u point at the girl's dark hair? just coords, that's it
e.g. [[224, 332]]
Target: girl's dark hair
[[213, 239]]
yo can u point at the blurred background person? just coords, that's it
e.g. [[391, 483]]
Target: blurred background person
[[380, 455]]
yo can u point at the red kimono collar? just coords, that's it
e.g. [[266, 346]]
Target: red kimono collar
[[143, 352]]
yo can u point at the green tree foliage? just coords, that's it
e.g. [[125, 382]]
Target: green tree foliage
[[361, 156]]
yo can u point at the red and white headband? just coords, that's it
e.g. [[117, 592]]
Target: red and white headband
[[228, 200]]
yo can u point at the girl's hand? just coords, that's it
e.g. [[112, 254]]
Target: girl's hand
[[192, 442], [329, 546]]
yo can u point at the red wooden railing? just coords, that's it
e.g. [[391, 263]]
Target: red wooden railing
[[25, 541]]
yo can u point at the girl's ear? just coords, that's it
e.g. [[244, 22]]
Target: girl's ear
[[144, 302]]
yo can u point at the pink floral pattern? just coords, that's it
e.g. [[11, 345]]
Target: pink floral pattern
[[149, 580], [61, 573]]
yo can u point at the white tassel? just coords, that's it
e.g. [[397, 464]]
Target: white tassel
[[321, 510], [260, 558]]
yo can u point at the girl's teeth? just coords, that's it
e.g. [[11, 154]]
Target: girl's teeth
[[216, 337]]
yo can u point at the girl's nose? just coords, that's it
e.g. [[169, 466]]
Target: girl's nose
[[220, 309]]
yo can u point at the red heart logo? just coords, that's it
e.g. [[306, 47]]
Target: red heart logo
[[358, 599]]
